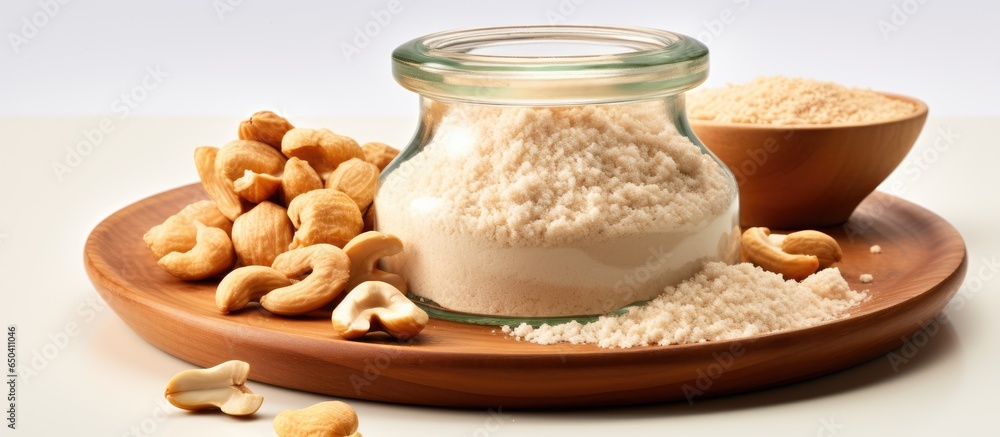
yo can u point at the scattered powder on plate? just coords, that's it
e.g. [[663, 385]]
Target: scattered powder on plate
[[866, 278], [722, 302], [875, 249], [791, 101]]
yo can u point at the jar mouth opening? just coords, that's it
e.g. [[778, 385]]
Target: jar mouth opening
[[546, 44], [550, 65]]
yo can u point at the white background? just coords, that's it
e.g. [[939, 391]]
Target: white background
[[290, 55], [104, 380]]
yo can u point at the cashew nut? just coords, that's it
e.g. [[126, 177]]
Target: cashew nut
[[323, 149], [365, 250], [762, 251], [238, 156], [208, 214], [220, 189], [357, 179], [299, 178], [246, 284], [327, 269], [815, 243], [378, 306], [211, 255], [177, 233], [262, 234], [324, 216], [266, 127], [220, 387], [325, 419], [256, 187], [380, 154]]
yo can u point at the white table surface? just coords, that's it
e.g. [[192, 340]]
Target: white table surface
[[84, 372]]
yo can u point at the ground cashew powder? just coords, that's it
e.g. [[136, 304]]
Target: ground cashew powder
[[535, 211], [791, 101], [722, 302]]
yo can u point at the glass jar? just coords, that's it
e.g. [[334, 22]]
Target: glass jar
[[553, 174]]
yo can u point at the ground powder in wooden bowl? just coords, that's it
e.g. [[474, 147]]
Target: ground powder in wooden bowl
[[794, 101]]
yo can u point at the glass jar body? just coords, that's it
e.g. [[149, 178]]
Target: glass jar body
[[554, 211]]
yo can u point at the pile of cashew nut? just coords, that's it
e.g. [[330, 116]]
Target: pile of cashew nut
[[289, 225]]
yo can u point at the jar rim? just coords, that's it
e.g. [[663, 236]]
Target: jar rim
[[458, 66]]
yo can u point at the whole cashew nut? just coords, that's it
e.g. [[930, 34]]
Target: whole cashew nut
[[323, 149], [211, 255], [246, 284], [325, 419], [220, 189], [266, 127], [324, 216], [365, 250], [759, 249], [814, 243], [176, 234], [357, 179], [238, 156], [262, 234], [299, 178], [326, 269]]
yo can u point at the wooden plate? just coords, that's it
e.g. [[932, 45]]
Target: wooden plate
[[454, 364]]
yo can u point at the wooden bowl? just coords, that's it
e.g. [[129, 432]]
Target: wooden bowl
[[809, 176]]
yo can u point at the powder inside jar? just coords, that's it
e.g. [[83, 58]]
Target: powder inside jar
[[546, 176], [533, 211], [794, 101], [722, 302]]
